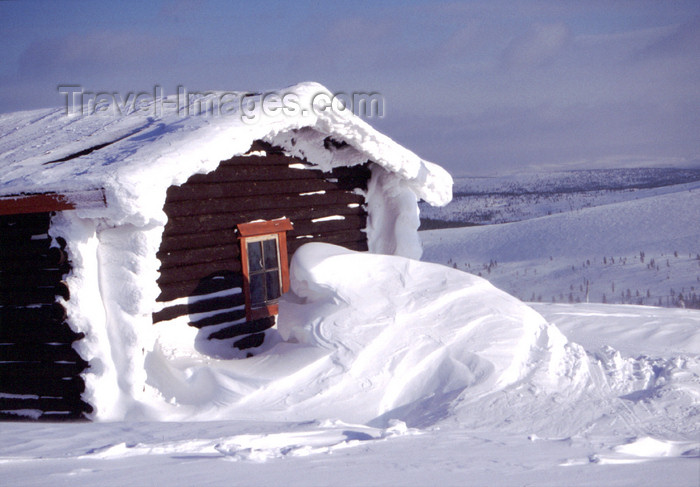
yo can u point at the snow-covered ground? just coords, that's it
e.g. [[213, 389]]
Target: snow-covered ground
[[398, 372]]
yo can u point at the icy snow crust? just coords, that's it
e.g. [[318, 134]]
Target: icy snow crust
[[146, 155]]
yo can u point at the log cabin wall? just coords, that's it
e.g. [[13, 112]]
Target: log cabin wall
[[39, 369], [200, 253]]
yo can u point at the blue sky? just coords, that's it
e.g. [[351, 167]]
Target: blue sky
[[480, 87]]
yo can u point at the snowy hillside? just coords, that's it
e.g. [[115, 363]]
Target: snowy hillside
[[644, 250], [479, 201]]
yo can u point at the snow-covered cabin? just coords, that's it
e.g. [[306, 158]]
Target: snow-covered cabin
[[111, 222]]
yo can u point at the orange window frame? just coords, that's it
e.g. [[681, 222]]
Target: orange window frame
[[252, 231]]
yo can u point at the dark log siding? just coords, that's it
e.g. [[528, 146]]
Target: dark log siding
[[200, 254], [39, 369]]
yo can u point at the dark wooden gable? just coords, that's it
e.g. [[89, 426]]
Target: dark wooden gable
[[200, 253], [39, 369]]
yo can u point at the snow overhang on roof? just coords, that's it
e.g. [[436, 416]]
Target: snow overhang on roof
[[142, 153]]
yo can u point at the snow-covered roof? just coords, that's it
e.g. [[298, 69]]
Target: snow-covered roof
[[138, 155]]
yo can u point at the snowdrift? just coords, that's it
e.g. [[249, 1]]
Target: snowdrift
[[364, 335], [374, 339]]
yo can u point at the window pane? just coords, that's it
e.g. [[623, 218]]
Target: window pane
[[273, 284], [257, 289], [270, 251], [254, 256]]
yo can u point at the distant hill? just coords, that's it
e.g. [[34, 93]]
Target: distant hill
[[482, 201], [639, 243]]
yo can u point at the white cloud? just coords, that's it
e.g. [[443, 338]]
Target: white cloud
[[541, 44]]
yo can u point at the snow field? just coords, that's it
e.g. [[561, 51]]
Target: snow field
[[401, 371]]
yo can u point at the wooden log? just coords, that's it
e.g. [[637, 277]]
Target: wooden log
[[197, 240], [22, 332], [29, 296], [316, 212], [170, 313], [49, 416], [205, 305], [217, 319], [39, 278], [257, 188], [44, 386], [199, 224], [213, 304], [343, 235], [308, 227], [173, 290], [12, 236], [356, 242], [38, 221], [210, 223], [176, 258], [300, 212], [257, 172], [195, 271], [19, 268], [23, 248], [272, 157], [251, 341], [46, 315], [235, 204], [53, 258], [8, 370], [197, 287], [45, 404], [260, 169], [232, 331], [44, 352]]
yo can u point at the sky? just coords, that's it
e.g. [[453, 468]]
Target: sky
[[480, 87]]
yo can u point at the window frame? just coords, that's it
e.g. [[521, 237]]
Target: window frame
[[256, 231]]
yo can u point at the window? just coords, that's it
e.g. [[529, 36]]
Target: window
[[264, 265]]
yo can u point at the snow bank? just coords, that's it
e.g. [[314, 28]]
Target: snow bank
[[401, 331], [367, 337], [370, 339]]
